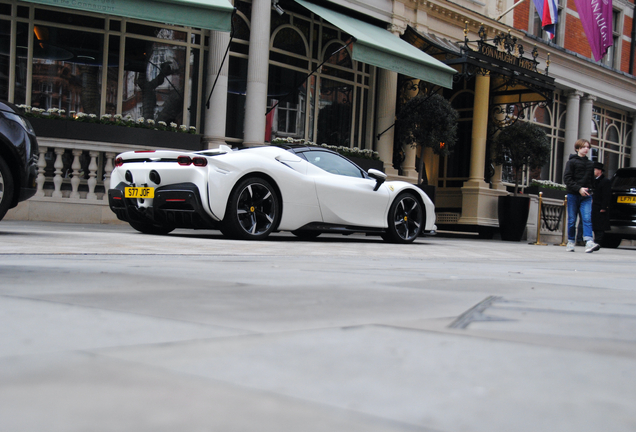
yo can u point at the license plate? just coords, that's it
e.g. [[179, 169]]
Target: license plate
[[140, 192], [626, 199]]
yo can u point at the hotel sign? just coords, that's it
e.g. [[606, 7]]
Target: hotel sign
[[513, 58]]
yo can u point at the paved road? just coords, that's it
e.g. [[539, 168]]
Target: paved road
[[105, 329]]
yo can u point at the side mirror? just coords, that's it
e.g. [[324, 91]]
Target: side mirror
[[379, 177]]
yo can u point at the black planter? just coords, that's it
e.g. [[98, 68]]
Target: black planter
[[547, 192], [69, 129], [513, 216]]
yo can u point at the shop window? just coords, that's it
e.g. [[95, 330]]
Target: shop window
[[192, 113], [287, 96], [154, 81], [335, 111], [66, 62], [237, 84], [112, 76]]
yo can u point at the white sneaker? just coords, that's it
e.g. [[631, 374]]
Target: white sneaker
[[591, 246], [570, 247]]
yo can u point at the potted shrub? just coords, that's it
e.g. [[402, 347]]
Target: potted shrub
[[427, 121], [518, 145]]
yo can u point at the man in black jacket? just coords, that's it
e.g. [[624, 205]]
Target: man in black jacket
[[578, 178], [600, 203]]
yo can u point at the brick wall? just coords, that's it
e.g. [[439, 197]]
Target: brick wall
[[522, 16], [575, 39], [627, 31]]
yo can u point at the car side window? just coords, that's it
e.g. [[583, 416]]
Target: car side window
[[333, 163]]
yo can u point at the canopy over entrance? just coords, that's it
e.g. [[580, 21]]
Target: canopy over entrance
[[207, 14], [378, 47], [515, 78]]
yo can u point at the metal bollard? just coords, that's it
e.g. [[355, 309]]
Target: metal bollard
[[538, 242]]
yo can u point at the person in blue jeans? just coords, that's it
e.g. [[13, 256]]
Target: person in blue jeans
[[578, 178]]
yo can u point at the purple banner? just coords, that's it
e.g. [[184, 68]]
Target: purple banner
[[596, 17]]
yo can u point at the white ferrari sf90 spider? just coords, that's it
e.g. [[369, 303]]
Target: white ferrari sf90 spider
[[252, 192]]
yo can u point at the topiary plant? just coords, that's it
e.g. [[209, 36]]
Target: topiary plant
[[519, 144], [427, 121]]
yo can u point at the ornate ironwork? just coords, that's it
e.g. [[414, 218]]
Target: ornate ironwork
[[506, 115], [503, 47]]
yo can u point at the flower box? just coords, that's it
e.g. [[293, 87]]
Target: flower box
[[547, 192], [83, 131]]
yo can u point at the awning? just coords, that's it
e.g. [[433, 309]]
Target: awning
[[207, 14], [514, 78], [378, 47]]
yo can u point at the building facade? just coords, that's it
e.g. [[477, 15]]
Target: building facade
[[316, 71]]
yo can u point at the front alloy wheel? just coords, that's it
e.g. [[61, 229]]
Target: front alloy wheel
[[253, 210], [406, 217]]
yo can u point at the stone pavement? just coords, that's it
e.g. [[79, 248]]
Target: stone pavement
[[105, 329]]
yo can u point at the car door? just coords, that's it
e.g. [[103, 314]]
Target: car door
[[345, 194]]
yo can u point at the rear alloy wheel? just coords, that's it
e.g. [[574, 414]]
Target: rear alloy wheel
[[253, 210], [6, 188], [406, 217], [149, 228]]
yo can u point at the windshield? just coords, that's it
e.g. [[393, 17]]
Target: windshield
[[624, 179]]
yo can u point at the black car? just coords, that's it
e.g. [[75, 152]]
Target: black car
[[18, 158], [622, 210]]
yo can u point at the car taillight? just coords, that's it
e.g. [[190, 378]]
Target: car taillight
[[196, 161], [119, 162], [184, 160], [199, 161]]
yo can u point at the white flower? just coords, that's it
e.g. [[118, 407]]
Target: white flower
[[162, 123], [118, 116], [141, 120], [193, 129], [81, 114], [106, 116], [72, 112], [151, 122], [62, 111], [92, 116], [173, 125], [183, 128]]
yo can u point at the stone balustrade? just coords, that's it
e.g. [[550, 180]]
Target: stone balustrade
[[72, 182]]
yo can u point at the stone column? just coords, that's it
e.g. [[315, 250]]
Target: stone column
[[480, 131], [385, 118], [479, 202], [257, 74], [585, 118], [215, 116], [571, 124]]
